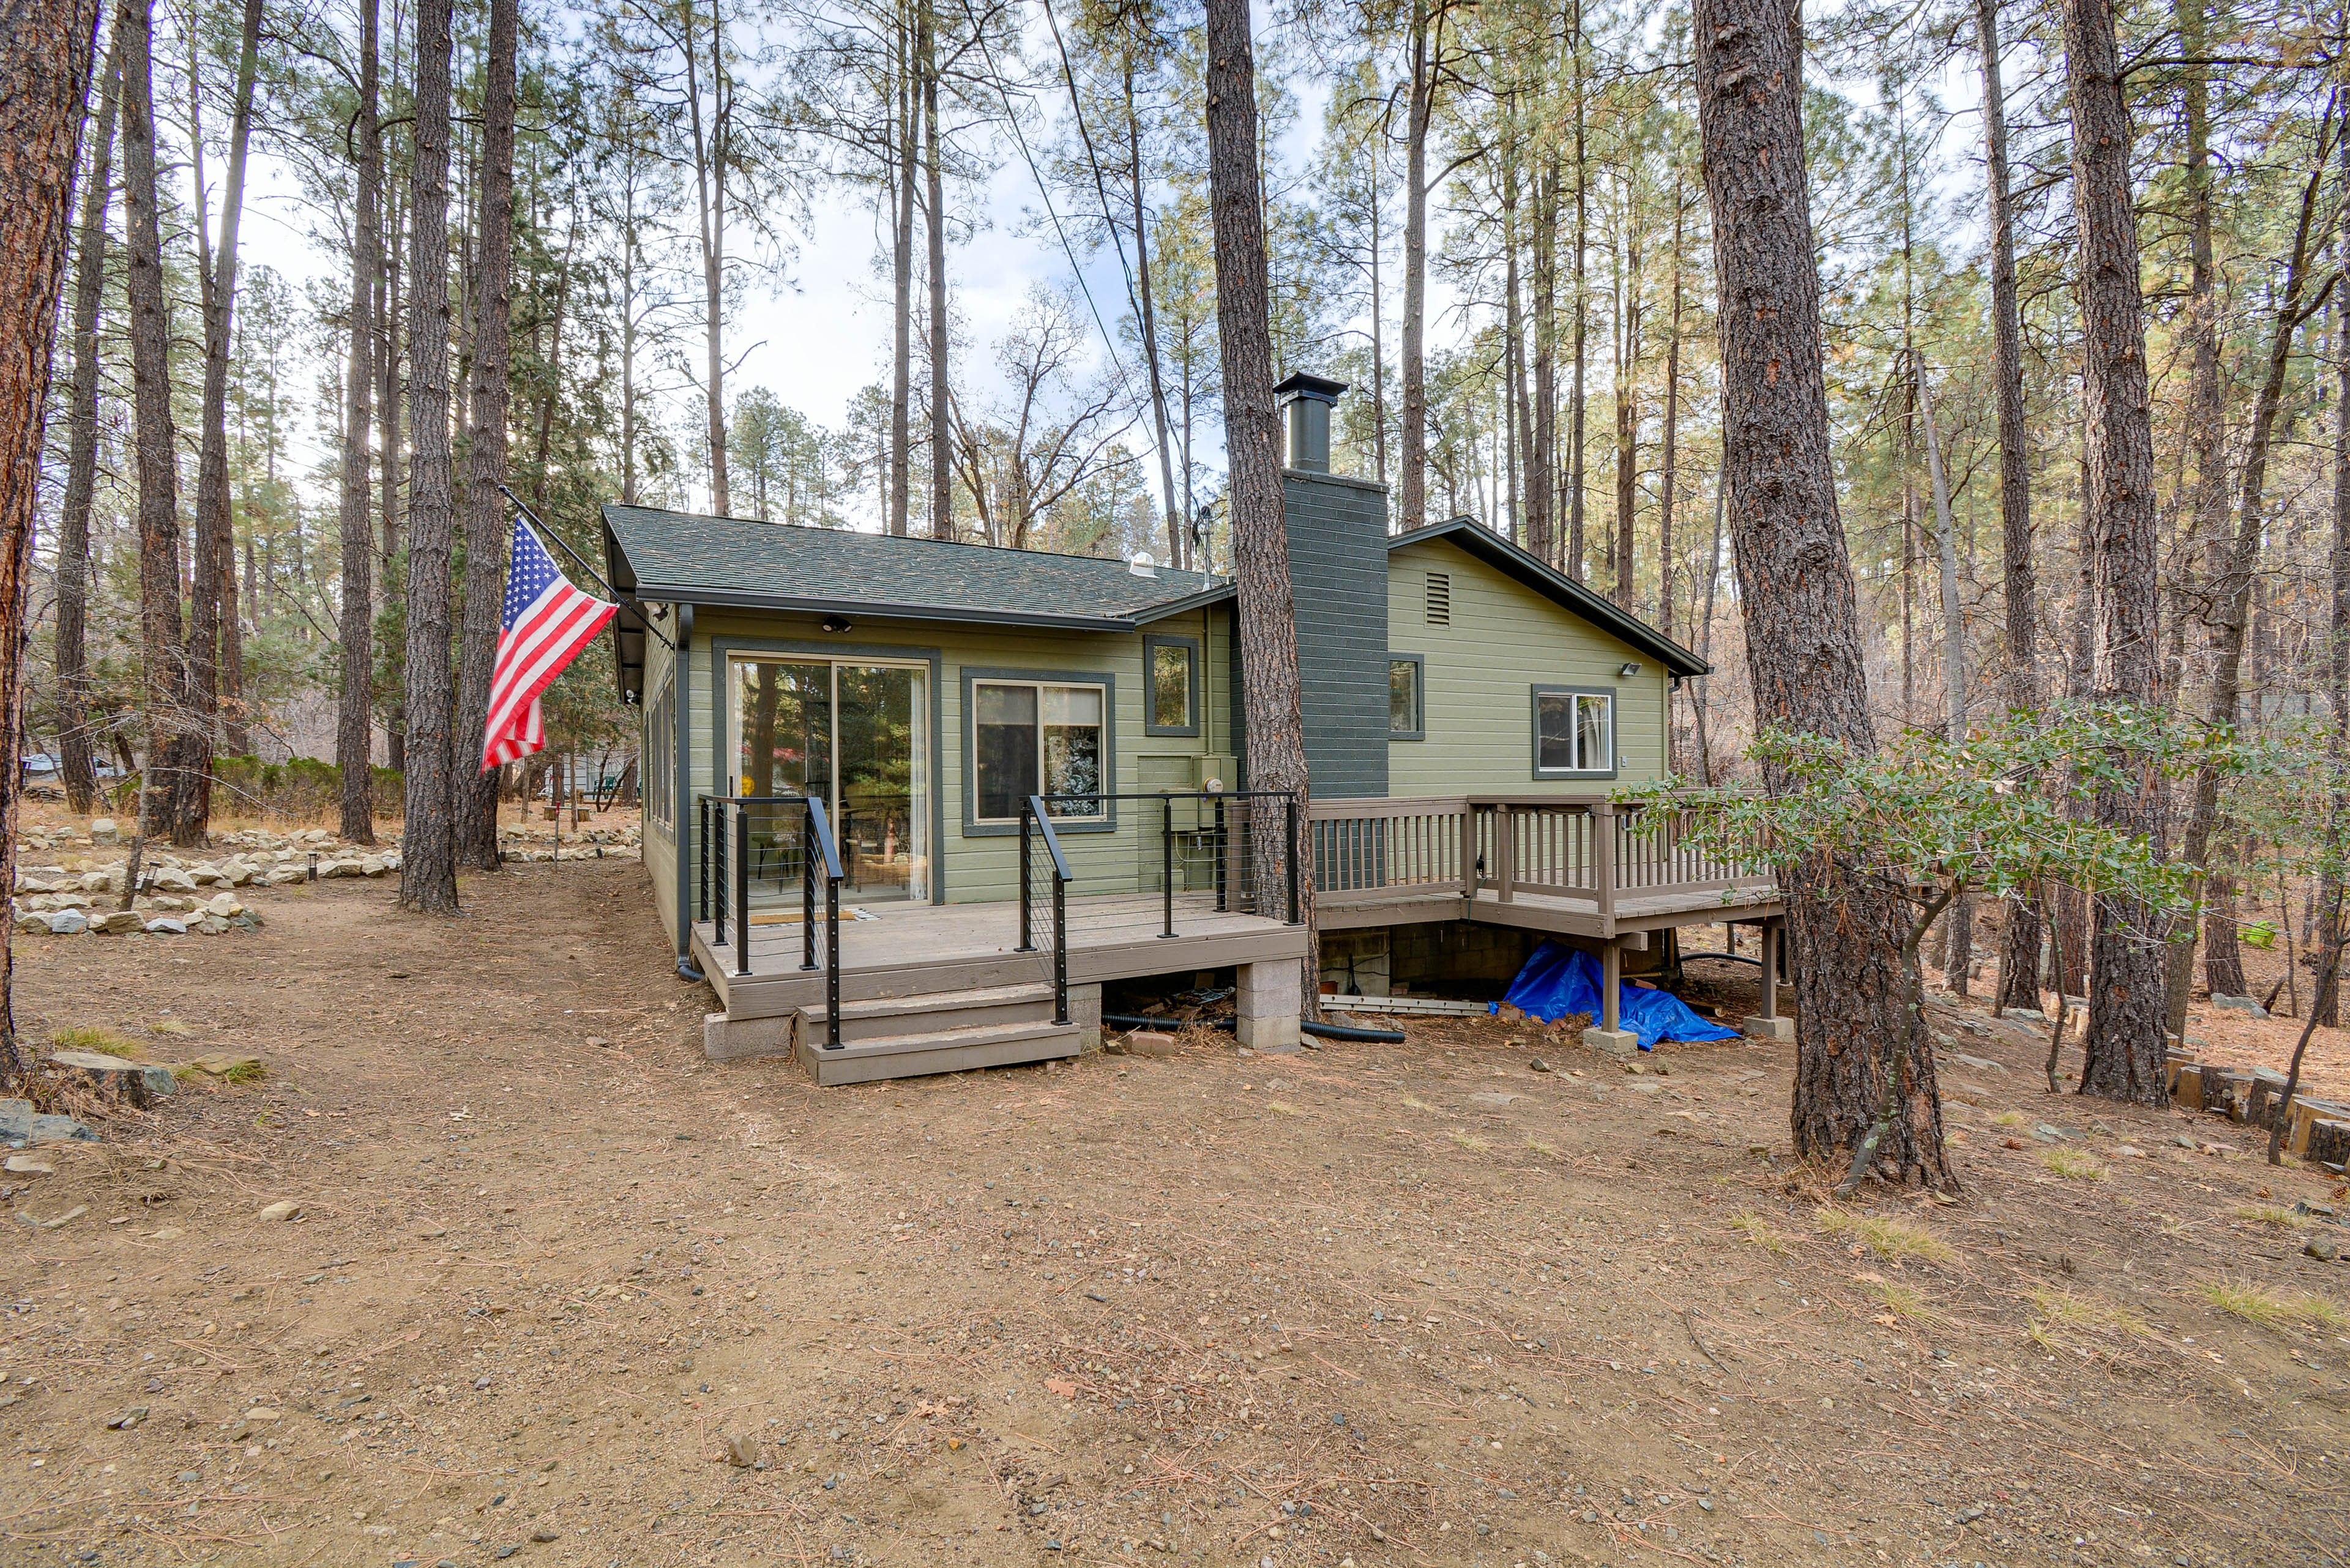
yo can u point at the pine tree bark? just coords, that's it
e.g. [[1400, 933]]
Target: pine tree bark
[[1542, 438], [354, 729], [1959, 923], [902, 263], [1272, 699], [428, 854], [2123, 1051], [1412, 494], [2325, 1006], [934, 188], [213, 543], [1178, 542], [78, 759], [162, 650], [713, 151], [487, 538], [1574, 477], [45, 64], [2022, 932], [1860, 1044], [1670, 455]]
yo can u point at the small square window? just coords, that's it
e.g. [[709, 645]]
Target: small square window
[[1405, 697], [1173, 688], [1575, 733]]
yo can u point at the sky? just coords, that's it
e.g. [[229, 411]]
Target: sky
[[822, 332]]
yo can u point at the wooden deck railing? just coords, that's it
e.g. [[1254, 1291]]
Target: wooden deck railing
[[1574, 846]]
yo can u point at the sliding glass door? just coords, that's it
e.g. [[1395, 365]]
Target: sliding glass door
[[854, 733]]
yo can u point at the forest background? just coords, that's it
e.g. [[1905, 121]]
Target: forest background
[[948, 270]]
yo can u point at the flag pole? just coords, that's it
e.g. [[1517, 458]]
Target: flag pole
[[549, 535]]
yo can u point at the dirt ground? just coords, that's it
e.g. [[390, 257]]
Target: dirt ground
[[553, 1274]]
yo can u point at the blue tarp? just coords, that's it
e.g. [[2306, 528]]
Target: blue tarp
[[1558, 981]]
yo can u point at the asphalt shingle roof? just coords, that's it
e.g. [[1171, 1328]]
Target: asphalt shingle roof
[[661, 555]]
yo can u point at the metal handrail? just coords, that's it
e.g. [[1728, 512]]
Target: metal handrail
[[725, 894], [1033, 809]]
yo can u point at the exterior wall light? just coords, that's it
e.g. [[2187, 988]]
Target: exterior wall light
[[1628, 669], [835, 625]]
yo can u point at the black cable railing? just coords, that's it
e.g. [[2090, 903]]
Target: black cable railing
[[746, 839], [1206, 843], [1036, 827]]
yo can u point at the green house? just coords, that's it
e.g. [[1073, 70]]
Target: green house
[[953, 706]]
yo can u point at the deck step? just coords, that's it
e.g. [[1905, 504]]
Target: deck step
[[951, 1050], [876, 1018]]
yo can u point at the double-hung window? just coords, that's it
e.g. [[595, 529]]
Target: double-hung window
[[1037, 738], [1575, 731]]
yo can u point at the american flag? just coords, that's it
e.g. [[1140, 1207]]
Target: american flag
[[547, 622]]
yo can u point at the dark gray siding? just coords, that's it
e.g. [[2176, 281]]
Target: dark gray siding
[[1338, 570]]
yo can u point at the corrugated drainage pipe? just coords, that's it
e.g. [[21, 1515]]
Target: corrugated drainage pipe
[[1348, 1032]]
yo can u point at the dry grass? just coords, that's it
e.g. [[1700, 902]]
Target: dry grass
[[89, 1037], [2010, 1119], [171, 1026], [1539, 1147], [2252, 1302], [1762, 1232], [1903, 1302], [1889, 1236], [2271, 1214], [2073, 1166], [2062, 1309], [1474, 1145], [1282, 1107], [2323, 1314], [1417, 1105]]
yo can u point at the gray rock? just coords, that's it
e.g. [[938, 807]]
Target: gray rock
[[167, 927], [1538, 1066], [1980, 1063], [2324, 1248], [2240, 1004], [103, 831], [19, 1123], [67, 923]]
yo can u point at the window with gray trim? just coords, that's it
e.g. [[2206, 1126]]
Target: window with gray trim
[[1407, 697], [1037, 738], [658, 770], [1575, 731], [1173, 686]]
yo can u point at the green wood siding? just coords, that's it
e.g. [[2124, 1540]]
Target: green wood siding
[[1503, 640], [984, 869]]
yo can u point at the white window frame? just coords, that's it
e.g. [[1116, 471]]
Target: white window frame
[[1578, 695]]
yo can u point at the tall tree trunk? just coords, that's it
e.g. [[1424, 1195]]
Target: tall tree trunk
[[2325, 1006], [711, 124], [1513, 330], [214, 537], [1959, 925], [1861, 1046], [1273, 732], [1670, 455], [2233, 598], [354, 731], [1573, 475], [2123, 1051], [1177, 545], [2205, 446], [1628, 413], [78, 760], [486, 538], [901, 266], [1412, 498], [428, 855], [45, 63], [934, 188], [388, 313], [162, 652], [1542, 438], [2021, 935]]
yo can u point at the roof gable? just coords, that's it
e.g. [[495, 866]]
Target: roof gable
[[1480, 543]]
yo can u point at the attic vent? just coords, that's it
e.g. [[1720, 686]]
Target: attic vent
[[1440, 599]]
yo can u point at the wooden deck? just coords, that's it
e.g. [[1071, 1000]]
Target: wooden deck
[[1571, 914], [920, 950]]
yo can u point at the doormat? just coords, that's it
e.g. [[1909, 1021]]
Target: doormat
[[792, 916]]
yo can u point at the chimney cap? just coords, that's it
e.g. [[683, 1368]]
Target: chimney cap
[[1304, 384]]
